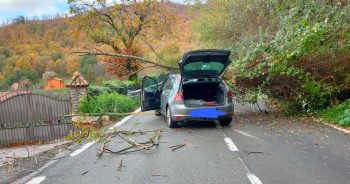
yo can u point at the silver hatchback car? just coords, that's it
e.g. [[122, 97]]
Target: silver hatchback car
[[197, 93]]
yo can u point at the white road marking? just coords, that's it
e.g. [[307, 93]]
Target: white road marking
[[246, 134], [230, 144], [31, 175], [124, 120], [253, 179], [36, 180], [83, 148], [26, 178], [87, 145]]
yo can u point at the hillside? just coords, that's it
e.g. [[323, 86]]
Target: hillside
[[29, 49]]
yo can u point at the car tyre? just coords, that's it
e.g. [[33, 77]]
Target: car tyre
[[171, 123], [225, 121]]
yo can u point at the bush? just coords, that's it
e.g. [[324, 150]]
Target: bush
[[112, 86], [93, 91], [116, 86], [291, 108], [132, 85], [298, 51], [108, 103], [159, 77], [339, 114], [22, 74]]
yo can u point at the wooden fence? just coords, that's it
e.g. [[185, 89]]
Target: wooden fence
[[33, 117], [46, 132]]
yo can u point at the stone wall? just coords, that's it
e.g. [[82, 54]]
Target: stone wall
[[76, 94]]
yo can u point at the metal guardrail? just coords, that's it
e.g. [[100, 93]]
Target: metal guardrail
[[134, 93], [137, 92]]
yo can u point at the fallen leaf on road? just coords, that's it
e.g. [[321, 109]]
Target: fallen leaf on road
[[231, 157]]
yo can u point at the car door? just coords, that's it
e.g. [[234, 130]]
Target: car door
[[150, 96], [166, 92]]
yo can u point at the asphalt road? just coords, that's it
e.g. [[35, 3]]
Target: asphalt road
[[255, 149]]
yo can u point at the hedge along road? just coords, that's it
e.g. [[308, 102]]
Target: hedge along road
[[255, 149]]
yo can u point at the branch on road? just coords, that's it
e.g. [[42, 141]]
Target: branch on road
[[120, 166], [177, 146], [255, 152], [134, 146]]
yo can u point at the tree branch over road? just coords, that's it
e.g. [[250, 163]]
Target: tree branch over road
[[127, 27], [141, 59]]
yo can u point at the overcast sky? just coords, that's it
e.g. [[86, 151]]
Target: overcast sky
[[10, 9]]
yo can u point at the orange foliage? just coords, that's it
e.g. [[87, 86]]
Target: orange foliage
[[121, 67], [41, 46]]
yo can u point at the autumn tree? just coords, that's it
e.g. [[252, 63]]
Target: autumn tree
[[126, 27]]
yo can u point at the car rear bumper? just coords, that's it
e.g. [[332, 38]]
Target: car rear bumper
[[181, 112]]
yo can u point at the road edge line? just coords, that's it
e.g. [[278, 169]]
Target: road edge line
[[125, 119], [253, 178], [230, 144], [33, 174], [27, 178], [337, 128]]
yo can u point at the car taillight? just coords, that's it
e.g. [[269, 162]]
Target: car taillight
[[179, 97], [229, 93]]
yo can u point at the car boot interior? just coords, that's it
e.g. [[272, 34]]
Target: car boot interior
[[203, 93]]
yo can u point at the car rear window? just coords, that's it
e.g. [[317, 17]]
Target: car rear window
[[204, 68]]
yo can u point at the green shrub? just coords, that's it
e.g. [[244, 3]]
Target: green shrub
[[295, 52], [159, 77], [112, 86], [108, 103], [116, 86], [132, 85], [292, 108], [93, 91], [339, 114], [22, 74], [345, 121]]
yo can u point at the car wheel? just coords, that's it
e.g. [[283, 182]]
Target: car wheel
[[157, 112], [225, 121], [171, 123]]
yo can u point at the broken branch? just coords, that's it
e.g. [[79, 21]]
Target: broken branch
[[177, 146], [145, 60]]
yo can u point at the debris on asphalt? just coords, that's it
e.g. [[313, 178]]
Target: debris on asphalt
[[84, 173], [102, 149], [135, 146], [120, 166], [177, 146], [231, 157], [163, 175], [256, 152]]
